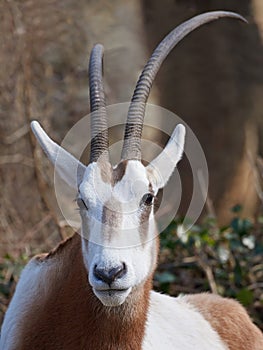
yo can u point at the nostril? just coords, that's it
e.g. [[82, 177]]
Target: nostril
[[121, 271], [110, 275]]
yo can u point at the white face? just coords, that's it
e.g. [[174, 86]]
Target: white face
[[120, 244]]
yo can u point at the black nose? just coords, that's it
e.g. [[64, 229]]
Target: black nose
[[110, 275]]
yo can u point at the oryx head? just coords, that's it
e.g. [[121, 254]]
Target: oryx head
[[116, 203]]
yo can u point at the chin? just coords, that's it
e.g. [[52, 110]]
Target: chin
[[112, 297]]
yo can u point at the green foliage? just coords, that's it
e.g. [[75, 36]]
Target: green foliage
[[10, 269], [227, 260]]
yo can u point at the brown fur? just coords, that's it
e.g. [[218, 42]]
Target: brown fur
[[105, 170], [70, 317], [144, 220], [119, 171], [111, 213], [230, 320], [110, 175], [111, 218]]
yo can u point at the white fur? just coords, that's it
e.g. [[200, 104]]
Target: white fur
[[161, 168], [125, 245], [25, 298], [68, 167], [172, 324], [112, 241]]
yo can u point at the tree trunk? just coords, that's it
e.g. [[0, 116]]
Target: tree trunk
[[213, 80]]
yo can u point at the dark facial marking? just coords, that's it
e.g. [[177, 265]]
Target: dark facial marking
[[111, 217], [119, 171], [144, 217], [105, 171]]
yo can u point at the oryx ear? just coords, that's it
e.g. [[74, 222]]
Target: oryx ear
[[161, 168], [68, 167]]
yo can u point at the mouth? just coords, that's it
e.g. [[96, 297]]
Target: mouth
[[112, 297], [111, 292]]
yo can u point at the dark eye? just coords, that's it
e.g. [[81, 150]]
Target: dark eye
[[147, 199], [81, 204]]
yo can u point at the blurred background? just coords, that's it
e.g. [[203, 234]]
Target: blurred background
[[213, 80]]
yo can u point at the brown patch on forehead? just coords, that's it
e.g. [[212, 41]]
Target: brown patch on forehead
[[119, 171], [105, 171], [110, 175]]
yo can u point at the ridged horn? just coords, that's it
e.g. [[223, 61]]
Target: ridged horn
[[99, 125], [134, 124]]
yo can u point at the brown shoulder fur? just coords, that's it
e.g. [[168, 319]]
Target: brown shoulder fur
[[65, 313], [230, 320]]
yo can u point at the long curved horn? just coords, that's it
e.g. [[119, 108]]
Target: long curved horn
[[134, 124], [99, 125]]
